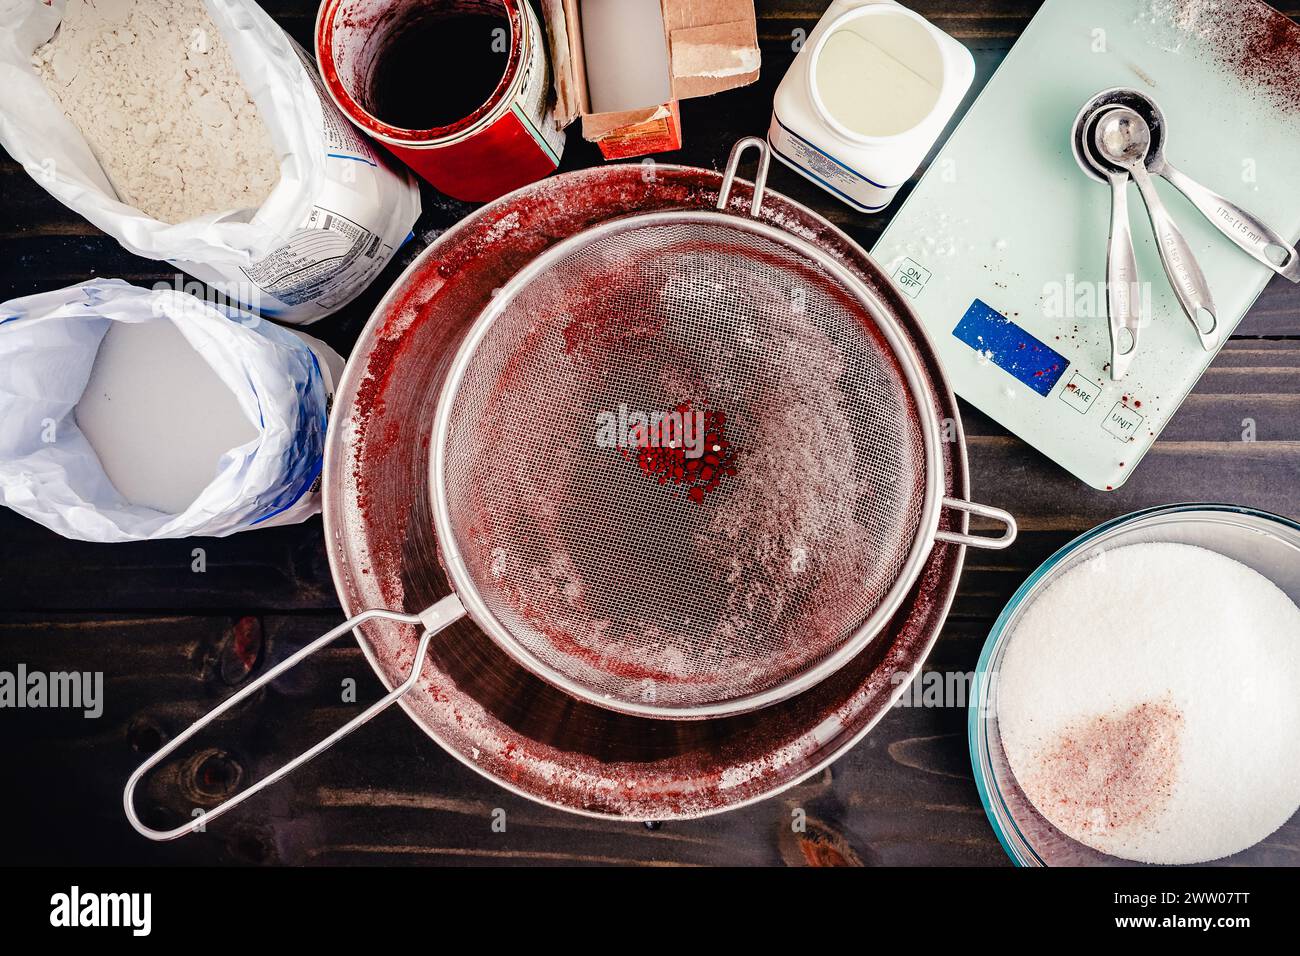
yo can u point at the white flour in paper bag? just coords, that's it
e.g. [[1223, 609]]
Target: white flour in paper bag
[[152, 87], [158, 416], [295, 241], [125, 414]]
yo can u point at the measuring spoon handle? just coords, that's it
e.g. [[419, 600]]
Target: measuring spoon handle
[[1253, 236], [1180, 264], [1123, 298]]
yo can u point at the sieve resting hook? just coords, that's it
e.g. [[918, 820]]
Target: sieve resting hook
[[982, 542], [760, 180]]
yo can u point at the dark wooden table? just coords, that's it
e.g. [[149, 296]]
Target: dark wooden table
[[172, 642]]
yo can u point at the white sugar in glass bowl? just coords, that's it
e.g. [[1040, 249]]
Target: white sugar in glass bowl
[[1267, 545]]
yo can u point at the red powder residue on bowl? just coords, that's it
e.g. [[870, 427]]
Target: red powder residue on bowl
[[1110, 772]]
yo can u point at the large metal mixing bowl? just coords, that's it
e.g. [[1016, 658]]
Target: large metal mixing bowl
[[476, 702]]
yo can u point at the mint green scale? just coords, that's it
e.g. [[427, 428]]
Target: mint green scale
[[1002, 245]]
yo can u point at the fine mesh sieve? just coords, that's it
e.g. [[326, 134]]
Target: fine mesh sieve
[[697, 598], [659, 569]]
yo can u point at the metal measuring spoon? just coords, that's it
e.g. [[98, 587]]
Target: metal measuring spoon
[[1123, 138], [1123, 303], [1246, 230]]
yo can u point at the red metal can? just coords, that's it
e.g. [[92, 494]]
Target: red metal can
[[507, 141]]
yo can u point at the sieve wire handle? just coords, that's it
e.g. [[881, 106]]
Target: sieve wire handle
[[434, 619], [760, 180], [988, 543]]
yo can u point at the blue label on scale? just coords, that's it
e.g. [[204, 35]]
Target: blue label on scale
[[1010, 347]]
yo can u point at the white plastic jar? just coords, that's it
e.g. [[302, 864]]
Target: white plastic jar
[[869, 94]]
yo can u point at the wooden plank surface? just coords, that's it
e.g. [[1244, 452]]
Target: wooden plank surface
[[171, 642]]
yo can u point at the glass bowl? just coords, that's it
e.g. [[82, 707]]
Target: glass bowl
[[1267, 543]]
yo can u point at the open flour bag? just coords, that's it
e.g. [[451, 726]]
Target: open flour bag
[[106, 382], [197, 132]]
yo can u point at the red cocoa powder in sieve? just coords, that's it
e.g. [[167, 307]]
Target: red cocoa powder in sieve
[[663, 457], [799, 498]]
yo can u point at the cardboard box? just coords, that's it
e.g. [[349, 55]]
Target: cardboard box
[[712, 46]]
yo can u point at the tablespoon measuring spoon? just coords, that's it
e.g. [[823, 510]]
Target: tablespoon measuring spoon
[[1250, 234], [1123, 138]]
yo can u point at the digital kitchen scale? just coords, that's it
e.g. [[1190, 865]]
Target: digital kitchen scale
[[1002, 245]]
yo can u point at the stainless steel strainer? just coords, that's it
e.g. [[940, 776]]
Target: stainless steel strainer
[[770, 560], [652, 578]]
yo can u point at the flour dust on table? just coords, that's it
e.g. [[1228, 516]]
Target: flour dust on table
[[1148, 704]]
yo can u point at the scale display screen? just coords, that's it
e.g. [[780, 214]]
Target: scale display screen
[[1011, 348]]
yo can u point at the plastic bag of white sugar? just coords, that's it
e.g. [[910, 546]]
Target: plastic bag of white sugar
[[128, 414], [197, 132]]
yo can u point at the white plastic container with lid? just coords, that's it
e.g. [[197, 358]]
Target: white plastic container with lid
[[870, 92]]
